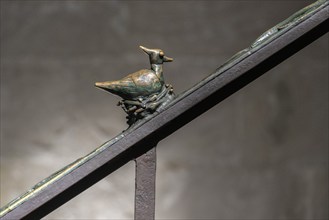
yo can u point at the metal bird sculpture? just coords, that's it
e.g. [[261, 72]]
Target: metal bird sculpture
[[144, 91]]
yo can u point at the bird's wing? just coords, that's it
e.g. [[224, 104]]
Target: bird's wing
[[147, 80]]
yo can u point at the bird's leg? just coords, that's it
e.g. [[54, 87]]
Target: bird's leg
[[132, 102]]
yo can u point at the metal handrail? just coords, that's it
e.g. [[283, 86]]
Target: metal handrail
[[270, 49]]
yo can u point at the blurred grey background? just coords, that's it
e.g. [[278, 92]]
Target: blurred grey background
[[260, 154]]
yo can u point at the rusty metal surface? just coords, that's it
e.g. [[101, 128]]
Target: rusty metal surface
[[191, 104], [145, 185]]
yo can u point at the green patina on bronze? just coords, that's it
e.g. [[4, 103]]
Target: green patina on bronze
[[144, 91], [136, 85]]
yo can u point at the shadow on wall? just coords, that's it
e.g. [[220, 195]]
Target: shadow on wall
[[260, 154]]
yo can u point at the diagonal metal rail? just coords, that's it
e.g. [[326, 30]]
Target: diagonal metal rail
[[270, 49]]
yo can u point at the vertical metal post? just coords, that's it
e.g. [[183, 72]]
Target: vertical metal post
[[145, 185]]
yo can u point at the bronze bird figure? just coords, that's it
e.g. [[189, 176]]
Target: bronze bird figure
[[142, 83], [144, 91]]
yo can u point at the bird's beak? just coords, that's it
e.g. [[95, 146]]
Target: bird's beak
[[167, 59], [146, 50]]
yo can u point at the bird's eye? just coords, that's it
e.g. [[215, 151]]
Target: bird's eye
[[161, 53]]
